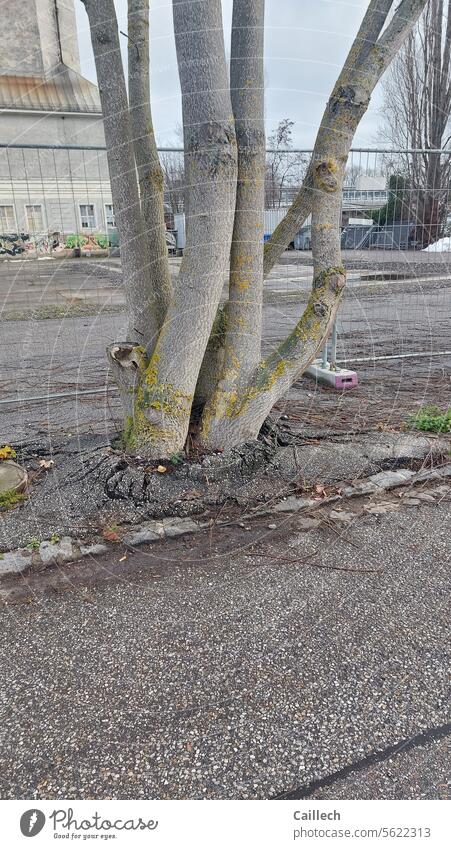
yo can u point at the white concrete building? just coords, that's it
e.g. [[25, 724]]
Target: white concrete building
[[45, 101]]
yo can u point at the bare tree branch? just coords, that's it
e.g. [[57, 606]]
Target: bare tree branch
[[416, 115], [362, 71]]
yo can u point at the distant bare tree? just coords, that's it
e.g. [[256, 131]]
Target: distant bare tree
[[283, 170], [417, 106], [174, 181], [352, 173], [173, 165]]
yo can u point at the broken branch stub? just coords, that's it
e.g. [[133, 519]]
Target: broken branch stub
[[127, 364]]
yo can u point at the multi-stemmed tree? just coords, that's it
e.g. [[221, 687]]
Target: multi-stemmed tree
[[185, 359]]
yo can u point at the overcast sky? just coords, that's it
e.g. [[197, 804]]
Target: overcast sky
[[306, 44]]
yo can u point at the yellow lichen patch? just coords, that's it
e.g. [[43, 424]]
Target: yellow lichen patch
[[139, 432], [324, 175], [151, 376], [156, 178], [220, 406], [7, 453], [242, 285], [141, 353], [239, 261], [163, 397], [240, 322]]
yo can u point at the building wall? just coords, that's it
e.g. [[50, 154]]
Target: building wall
[[38, 44], [37, 34], [51, 128], [57, 181], [60, 209]]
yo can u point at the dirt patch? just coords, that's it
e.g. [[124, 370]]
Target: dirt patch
[[83, 486]]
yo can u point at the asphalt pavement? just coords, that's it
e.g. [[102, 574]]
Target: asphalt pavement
[[240, 664]]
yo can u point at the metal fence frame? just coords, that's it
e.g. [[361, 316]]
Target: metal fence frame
[[355, 153]]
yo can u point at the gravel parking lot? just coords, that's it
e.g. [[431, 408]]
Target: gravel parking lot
[[59, 358]]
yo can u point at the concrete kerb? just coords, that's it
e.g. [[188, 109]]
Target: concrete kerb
[[69, 550]]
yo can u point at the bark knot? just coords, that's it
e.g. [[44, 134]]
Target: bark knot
[[326, 176], [320, 309], [215, 144], [348, 99]]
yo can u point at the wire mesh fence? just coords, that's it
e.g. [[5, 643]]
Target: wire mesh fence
[[62, 299], [56, 200]]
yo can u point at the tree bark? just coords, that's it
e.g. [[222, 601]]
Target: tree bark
[[135, 255], [164, 400], [244, 413], [150, 174], [243, 317], [244, 311]]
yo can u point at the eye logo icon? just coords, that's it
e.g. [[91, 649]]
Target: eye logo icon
[[32, 822]]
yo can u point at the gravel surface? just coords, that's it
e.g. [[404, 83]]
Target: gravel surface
[[230, 669], [422, 773]]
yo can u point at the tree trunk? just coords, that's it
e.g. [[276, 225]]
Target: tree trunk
[[157, 384], [242, 415], [150, 174], [135, 255], [243, 317], [164, 399]]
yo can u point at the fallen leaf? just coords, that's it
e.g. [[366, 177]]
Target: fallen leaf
[[161, 469], [110, 535], [341, 516], [191, 493]]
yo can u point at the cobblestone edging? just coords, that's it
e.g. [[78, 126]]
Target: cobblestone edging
[[68, 550]]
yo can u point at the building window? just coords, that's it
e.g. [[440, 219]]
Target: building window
[[7, 219], [87, 216], [109, 215], [35, 219]]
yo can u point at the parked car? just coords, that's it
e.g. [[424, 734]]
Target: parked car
[[303, 239], [171, 242]]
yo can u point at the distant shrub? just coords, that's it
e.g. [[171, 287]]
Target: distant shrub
[[74, 240], [101, 240], [431, 419]]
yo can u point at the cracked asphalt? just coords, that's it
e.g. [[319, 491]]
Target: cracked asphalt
[[235, 664]]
